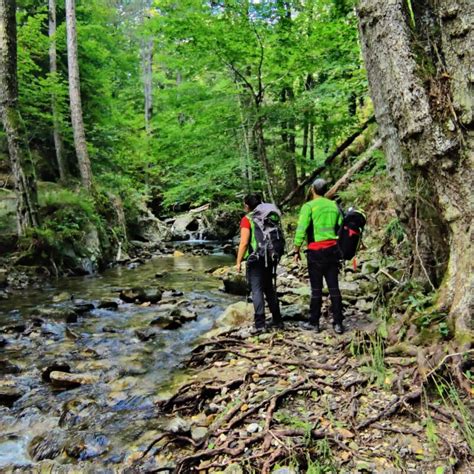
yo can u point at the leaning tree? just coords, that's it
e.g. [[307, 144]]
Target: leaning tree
[[419, 60]]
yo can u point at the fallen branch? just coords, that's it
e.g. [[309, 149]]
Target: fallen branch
[[355, 168], [391, 408], [345, 144]]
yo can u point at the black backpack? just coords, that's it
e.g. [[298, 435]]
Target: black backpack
[[350, 233], [268, 233]]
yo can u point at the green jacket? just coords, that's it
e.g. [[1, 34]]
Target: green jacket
[[319, 220]]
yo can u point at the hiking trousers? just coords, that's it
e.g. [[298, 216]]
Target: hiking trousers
[[324, 263], [262, 286]]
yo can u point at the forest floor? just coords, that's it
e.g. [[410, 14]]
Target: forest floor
[[292, 401]]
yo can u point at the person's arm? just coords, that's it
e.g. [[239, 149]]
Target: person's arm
[[303, 224], [243, 246]]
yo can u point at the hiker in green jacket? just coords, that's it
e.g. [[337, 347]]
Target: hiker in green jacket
[[318, 223]]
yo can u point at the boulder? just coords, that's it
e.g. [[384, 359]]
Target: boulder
[[67, 380], [198, 433], [148, 228], [235, 284], [178, 425]]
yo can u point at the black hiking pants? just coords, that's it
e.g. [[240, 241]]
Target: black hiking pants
[[261, 282], [324, 263]]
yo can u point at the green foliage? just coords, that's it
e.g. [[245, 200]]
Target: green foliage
[[321, 459], [66, 218]]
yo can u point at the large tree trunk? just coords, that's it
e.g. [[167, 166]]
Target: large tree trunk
[[53, 69], [75, 97], [20, 157], [421, 84]]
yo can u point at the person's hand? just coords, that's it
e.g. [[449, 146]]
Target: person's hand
[[239, 267], [296, 257]]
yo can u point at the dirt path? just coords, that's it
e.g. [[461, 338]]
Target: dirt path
[[313, 402]]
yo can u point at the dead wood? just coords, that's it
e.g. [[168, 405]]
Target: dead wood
[[391, 408], [343, 146], [355, 168]]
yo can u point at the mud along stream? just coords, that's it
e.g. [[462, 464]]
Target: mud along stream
[[131, 362]]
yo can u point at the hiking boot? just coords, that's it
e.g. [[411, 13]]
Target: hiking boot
[[276, 324], [310, 326], [255, 331], [338, 328]]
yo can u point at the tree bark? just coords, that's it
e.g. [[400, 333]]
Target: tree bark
[[421, 86], [147, 65], [289, 145], [53, 69], [75, 97], [20, 157]]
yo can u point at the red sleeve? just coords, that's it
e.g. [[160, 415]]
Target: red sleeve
[[245, 223]]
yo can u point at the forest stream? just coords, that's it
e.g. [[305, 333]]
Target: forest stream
[[131, 369]]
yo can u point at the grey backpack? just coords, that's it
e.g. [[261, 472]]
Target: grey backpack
[[268, 230]]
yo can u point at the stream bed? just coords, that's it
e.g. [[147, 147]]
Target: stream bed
[[97, 425]]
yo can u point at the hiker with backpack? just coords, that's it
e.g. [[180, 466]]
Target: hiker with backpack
[[319, 222], [261, 245]]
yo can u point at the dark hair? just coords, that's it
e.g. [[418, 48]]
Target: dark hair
[[320, 186], [253, 200]]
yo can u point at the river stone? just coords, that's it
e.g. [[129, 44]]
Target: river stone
[[167, 323], [67, 380], [141, 295], [109, 304], [48, 445], [9, 394], [146, 334], [54, 367], [80, 413], [87, 446], [83, 308], [6, 367], [235, 284]]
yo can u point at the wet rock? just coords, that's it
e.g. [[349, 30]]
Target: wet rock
[[67, 380], [3, 342], [48, 445], [178, 253], [235, 284], [54, 367], [141, 295], [146, 334], [79, 413], [52, 329], [87, 446], [13, 328], [3, 277], [9, 394], [178, 425], [167, 323], [159, 275], [111, 305], [83, 308], [6, 367], [285, 470]]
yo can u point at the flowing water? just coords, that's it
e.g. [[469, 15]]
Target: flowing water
[[106, 421]]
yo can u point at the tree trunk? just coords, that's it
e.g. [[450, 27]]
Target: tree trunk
[[418, 68], [20, 157], [53, 69], [147, 64], [289, 146], [75, 97], [261, 153]]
